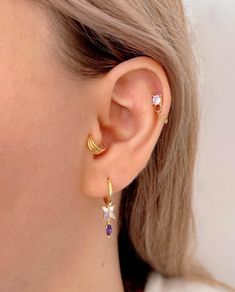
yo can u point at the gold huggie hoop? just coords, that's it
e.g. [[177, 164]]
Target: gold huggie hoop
[[157, 103], [95, 149], [108, 209]]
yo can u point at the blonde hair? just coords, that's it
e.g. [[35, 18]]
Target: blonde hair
[[156, 217]]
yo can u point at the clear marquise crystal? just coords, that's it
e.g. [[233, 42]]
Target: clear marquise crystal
[[156, 99]]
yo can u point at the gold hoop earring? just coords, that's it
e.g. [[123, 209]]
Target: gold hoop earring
[[93, 147], [108, 209], [157, 103]]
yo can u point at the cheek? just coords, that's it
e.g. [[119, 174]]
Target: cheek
[[40, 110], [40, 140], [39, 118], [40, 149], [41, 143]]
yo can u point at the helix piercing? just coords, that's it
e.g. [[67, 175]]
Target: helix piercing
[[157, 103]]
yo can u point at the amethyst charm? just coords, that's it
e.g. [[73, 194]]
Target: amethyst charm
[[108, 229]]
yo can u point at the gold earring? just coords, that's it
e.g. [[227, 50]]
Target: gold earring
[[108, 209], [157, 103], [93, 147]]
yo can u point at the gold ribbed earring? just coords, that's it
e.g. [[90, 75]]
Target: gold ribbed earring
[[93, 147]]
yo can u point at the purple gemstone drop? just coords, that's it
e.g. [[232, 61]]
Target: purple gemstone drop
[[108, 229]]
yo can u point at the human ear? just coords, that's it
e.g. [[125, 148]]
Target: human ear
[[125, 124]]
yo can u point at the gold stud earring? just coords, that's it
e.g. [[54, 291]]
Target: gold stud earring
[[108, 209], [157, 103], [93, 147]]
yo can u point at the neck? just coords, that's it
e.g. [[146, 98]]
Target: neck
[[92, 264], [70, 253]]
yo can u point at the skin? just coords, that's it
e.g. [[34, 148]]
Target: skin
[[51, 187]]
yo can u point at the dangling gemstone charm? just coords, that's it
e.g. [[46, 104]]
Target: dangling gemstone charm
[[108, 214], [108, 210], [108, 229]]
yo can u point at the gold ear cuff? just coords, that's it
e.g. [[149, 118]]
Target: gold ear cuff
[[94, 148]]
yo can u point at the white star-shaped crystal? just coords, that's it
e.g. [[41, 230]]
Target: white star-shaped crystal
[[108, 212]]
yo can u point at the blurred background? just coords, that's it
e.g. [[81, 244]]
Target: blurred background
[[213, 22]]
